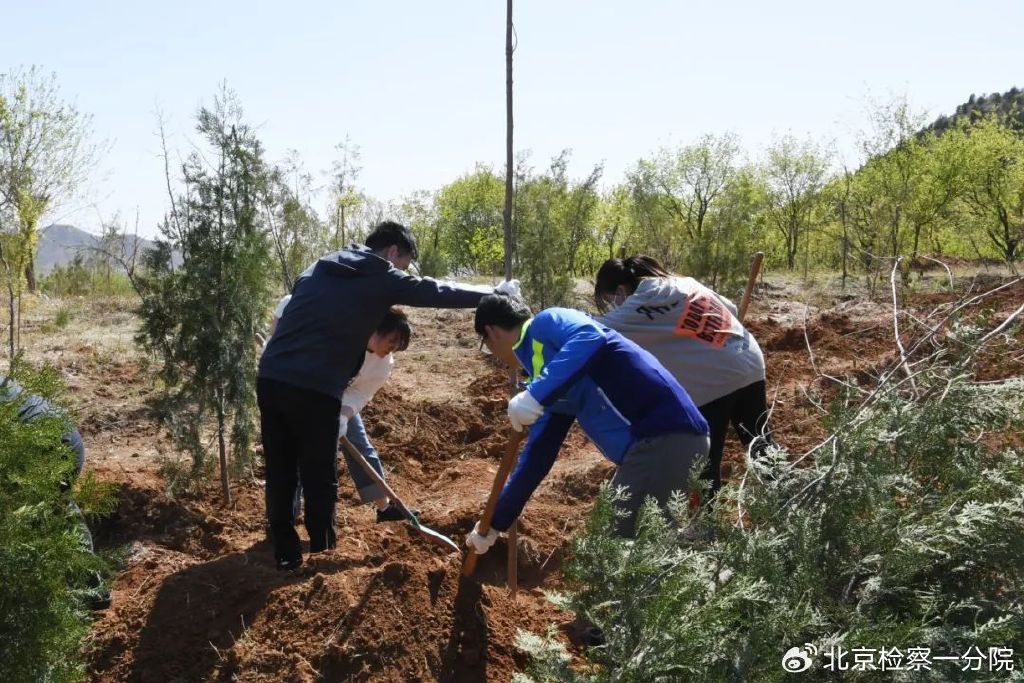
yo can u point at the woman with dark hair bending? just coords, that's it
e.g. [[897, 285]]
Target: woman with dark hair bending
[[694, 332]]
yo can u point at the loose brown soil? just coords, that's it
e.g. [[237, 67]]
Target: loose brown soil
[[198, 598]]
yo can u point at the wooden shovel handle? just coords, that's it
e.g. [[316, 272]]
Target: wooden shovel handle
[[508, 459], [755, 268], [372, 473]]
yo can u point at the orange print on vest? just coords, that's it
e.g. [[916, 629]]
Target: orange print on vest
[[705, 318]]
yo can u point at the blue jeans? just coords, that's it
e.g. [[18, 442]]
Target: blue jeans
[[366, 487]]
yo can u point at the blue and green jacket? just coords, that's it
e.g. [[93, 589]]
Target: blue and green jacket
[[580, 370]]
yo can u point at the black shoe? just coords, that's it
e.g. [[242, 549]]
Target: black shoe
[[100, 600], [99, 593], [393, 513], [593, 637], [286, 564]]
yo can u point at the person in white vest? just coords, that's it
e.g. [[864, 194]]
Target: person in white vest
[[695, 333]]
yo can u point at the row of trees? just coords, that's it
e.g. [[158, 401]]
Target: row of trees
[[703, 207], [955, 189], [240, 228]]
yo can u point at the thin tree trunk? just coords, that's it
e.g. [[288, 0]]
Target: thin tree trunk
[[807, 256], [10, 301], [846, 255], [341, 227], [17, 326], [222, 448], [30, 273]]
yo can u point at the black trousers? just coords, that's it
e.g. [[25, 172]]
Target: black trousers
[[300, 442], [747, 410]]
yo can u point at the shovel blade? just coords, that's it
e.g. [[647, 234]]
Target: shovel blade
[[435, 537]]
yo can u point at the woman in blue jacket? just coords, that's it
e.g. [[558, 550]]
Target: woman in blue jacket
[[633, 410]]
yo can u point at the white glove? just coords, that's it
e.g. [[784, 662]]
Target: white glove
[[510, 288], [480, 543], [523, 410], [342, 424]]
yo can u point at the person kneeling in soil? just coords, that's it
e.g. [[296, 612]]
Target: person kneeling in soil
[[633, 410], [696, 334]]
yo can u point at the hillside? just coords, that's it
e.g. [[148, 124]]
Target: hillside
[[1008, 106], [59, 244]]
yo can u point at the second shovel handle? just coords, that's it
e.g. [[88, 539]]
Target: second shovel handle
[[755, 268], [373, 474], [508, 459]]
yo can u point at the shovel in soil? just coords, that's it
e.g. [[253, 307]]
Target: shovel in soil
[[425, 531], [507, 461]]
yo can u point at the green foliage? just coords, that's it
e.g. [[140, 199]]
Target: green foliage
[[695, 209], [991, 163], [721, 258], [468, 214], [796, 173], [72, 279], [419, 212], [201, 318], [47, 572], [83, 278], [62, 317], [44, 156], [298, 235], [552, 219], [346, 200], [97, 499], [903, 529], [1007, 108]]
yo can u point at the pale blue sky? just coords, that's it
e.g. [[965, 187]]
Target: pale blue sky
[[419, 86]]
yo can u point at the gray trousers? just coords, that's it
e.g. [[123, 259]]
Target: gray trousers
[[73, 440], [656, 467]]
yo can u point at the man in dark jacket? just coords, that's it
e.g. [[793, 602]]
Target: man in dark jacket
[[317, 348]]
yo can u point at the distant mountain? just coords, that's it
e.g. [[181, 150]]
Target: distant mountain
[[1007, 106], [59, 244]]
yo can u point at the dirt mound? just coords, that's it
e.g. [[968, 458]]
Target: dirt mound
[[429, 431], [200, 600], [404, 621], [146, 514], [349, 616]]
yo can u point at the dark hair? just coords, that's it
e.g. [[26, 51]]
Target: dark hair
[[389, 234], [393, 321], [615, 272], [507, 312]]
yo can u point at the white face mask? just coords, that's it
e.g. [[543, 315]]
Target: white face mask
[[616, 301]]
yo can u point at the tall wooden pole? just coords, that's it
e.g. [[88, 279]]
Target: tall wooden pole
[[506, 216], [506, 219]]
